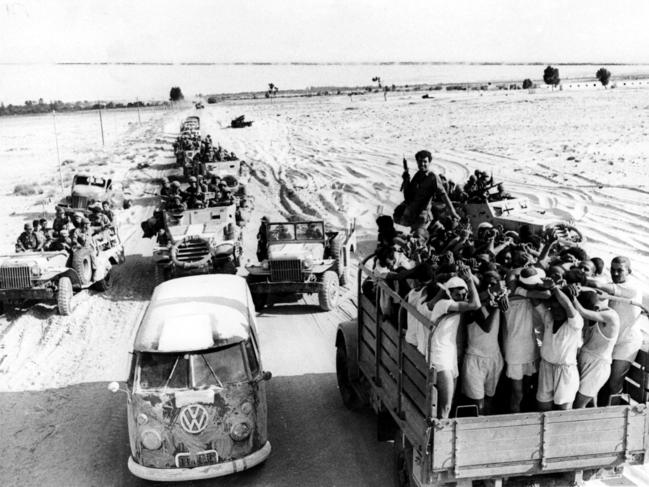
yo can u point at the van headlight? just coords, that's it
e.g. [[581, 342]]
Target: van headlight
[[150, 439], [264, 265], [307, 263], [240, 431], [36, 270]]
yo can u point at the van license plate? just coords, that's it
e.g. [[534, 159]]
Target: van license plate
[[198, 460]]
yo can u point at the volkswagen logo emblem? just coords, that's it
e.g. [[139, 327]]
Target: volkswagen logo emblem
[[193, 418]]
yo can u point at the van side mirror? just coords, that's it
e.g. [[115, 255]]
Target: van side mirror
[[266, 375], [114, 387]]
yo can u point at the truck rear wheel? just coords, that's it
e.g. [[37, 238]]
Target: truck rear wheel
[[64, 296], [402, 461], [82, 265], [328, 294], [350, 397], [340, 266]]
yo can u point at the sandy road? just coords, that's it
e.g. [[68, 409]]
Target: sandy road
[[61, 427]]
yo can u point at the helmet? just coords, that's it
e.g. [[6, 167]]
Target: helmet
[[176, 184], [64, 232], [28, 226], [164, 180], [78, 214], [192, 179]]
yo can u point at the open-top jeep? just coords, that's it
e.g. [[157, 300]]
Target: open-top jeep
[[300, 257], [513, 214], [206, 240], [56, 275]]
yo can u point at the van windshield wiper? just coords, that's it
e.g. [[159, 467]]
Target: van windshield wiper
[[216, 377]]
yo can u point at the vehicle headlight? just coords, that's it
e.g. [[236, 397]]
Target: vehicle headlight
[[150, 439], [307, 263], [246, 408], [264, 265], [36, 270], [240, 431], [142, 419]]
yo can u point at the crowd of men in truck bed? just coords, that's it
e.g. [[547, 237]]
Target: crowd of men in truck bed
[[532, 305]]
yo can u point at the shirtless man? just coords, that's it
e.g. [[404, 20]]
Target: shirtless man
[[420, 190], [629, 340], [596, 353], [558, 373]]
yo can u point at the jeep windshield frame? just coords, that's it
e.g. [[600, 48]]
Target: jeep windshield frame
[[197, 370], [302, 231]]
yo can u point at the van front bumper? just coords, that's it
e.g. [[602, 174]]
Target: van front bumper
[[198, 473]]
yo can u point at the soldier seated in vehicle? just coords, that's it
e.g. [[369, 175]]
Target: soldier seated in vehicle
[[61, 220], [314, 231], [62, 241], [106, 210], [176, 205], [98, 220], [283, 233], [27, 241], [165, 189]]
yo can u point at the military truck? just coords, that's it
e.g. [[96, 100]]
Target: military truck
[[301, 258], [57, 275], [376, 366], [87, 189], [206, 240]]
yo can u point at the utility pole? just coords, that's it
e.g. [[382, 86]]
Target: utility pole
[[58, 154], [101, 124]]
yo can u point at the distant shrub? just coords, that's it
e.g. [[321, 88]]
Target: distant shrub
[[603, 75], [212, 99], [27, 189], [176, 94], [527, 84]]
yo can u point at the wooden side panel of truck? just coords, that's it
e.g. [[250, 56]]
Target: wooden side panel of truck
[[453, 450]]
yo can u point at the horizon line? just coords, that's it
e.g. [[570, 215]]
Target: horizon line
[[321, 63]]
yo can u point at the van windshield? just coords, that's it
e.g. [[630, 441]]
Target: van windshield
[[197, 370]]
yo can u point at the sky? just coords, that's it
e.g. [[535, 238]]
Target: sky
[[39, 31]]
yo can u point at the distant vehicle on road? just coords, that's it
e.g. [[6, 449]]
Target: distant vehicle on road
[[196, 392], [199, 105], [87, 189], [300, 257], [240, 122]]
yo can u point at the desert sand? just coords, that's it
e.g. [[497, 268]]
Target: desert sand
[[581, 155]]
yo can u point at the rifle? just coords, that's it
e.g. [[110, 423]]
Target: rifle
[[405, 170]]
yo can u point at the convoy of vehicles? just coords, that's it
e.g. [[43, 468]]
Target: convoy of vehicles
[[57, 275], [300, 257], [196, 392], [376, 366]]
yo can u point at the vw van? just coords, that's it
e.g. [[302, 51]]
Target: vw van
[[196, 393]]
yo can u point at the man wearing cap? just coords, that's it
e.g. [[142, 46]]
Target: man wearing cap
[[520, 346], [445, 317], [419, 191], [27, 241], [628, 288], [98, 220], [562, 337]]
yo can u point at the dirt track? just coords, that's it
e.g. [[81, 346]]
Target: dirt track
[[61, 426]]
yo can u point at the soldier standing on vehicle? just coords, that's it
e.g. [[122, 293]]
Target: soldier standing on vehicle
[[419, 191], [165, 190], [262, 252], [629, 340], [85, 240], [27, 241], [39, 234], [77, 219]]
